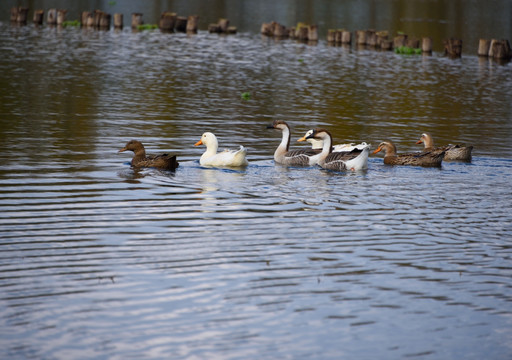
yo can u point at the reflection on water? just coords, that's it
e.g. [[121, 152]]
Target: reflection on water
[[100, 260]]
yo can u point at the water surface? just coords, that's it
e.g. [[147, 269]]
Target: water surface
[[99, 260]]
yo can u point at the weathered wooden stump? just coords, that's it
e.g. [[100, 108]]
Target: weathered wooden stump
[[346, 37], [89, 20], [483, 47], [386, 44], [453, 47], [14, 14], [181, 24], [382, 36], [105, 20], [301, 32], [118, 21], [313, 33], [331, 36], [399, 40], [292, 32], [361, 37], [232, 30], [279, 30], [22, 15], [61, 16], [51, 18], [372, 39], [192, 23], [412, 42], [426, 45], [500, 49], [167, 21], [97, 18], [83, 18], [223, 25], [136, 20], [267, 29], [38, 17], [214, 28]]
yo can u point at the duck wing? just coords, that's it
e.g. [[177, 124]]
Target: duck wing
[[300, 157]]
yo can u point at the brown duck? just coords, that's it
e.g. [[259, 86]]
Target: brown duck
[[453, 152], [140, 159], [431, 158]]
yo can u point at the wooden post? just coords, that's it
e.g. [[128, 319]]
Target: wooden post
[[313, 33], [83, 18], [453, 47], [426, 45], [346, 37], [118, 21], [167, 21], [483, 47], [98, 14], [89, 21], [399, 40], [232, 30], [266, 29], [500, 49], [61, 16], [22, 15], [105, 20], [214, 28], [372, 38], [14, 14], [331, 36], [279, 30], [361, 37], [382, 37], [223, 25], [38, 17], [136, 20], [192, 22], [301, 33], [51, 17], [181, 24], [412, 42]]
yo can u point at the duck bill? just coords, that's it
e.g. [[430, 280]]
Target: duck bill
[[198, 143], [271, 126], [419, 142], [122, 150], [302, 138], [377, 150]]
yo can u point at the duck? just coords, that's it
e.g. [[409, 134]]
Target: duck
[[431, 158], [140, 159], [284, 156], [453, 152], [226, 158], [318, 144], [354, 160]]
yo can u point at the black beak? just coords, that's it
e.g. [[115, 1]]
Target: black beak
[[270, 126]]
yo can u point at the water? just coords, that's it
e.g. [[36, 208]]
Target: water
[[101, 261]]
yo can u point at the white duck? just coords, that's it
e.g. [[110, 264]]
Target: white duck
[[318, 144], [339, 161], [226, 158], [301, 157]]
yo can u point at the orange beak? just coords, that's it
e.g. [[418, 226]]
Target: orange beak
[[123, 149], [419, 141], [302, 138], [198, 143], [377, 150]]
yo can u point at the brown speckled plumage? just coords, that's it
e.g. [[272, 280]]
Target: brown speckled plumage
[[432, 158], [453, 152], [140, 159]]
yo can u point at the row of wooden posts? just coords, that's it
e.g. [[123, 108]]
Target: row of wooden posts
[[169, 21], [497, 49]]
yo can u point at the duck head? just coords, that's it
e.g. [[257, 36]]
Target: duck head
[[388, 147], [279, 125], [207, 139], [133, 145], [426, 139]]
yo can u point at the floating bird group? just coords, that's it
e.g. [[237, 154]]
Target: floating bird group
[[341, 157]]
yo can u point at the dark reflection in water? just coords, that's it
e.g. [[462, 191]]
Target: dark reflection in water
[[100, 260]]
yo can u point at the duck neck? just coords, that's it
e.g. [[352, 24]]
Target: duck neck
[[211, 148], [327, 147], [316, 144], [139, 155], [429, 142], [284, 145]]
